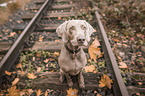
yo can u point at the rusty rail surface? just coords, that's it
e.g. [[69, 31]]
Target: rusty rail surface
[[119, 87], [11, 56]]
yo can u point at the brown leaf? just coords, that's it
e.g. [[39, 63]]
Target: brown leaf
[[14, 92], [116, 40], [105, 81], [57, 40], [38, 69], [59, 18], [31, 76], [56, 53], [94, 50], [38, 92], [12, 34], [72, 92], [40, 38], [46, 93], [46, 60], [15, 81], [123, 65], [8, 73], [19, 65], [89, 68]]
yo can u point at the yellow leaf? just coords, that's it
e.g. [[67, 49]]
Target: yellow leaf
[[119, 58], [46, 60], [46, 93], [8, 73], [38, 69], [89, 68], [57, 40], [22, 73], [31, 76], [12, 34], [15, 81], [122, 65], [40, 38], [33, 58], [105, 81], [72, 92], [116, 40], [29, 92], [140, 83], [19, 21], [125, 45], [14, 92], [94, 50], [19, 65], [38, 92], [56, 53], [99, 95], [59, 18]]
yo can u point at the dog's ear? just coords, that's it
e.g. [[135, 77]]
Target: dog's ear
[[89, 31], [61, 31]]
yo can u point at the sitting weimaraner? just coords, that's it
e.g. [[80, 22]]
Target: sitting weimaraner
[[74, 33]]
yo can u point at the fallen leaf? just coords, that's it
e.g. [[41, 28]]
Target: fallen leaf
[[38, 69], [99, 95], [12, 34], [89, 68], [38, 92], [140, 83], [13, 91], [59, 18], [57, 40], [105, 81], [40, 38], [56, 53], [46, 60], [94, 50], [138, 94], [19, 21], [124, 45], [122, 65], [19, 65], [15, 81], [72, 92], [8, 73], [46, 93], [119, 58], [22, 72], [33, 58], [29, 91], [31, 76], [116, 40]]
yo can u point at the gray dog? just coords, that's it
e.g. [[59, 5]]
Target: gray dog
[[74, 33]]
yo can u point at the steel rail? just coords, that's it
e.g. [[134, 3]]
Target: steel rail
[[13, 53], [119, 87]]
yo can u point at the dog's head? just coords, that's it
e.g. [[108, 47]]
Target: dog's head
[[77, 32]]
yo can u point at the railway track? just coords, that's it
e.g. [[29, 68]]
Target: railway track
[[50, 14]]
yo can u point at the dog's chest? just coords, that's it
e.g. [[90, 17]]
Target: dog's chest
[[72, 65], [75, 66]]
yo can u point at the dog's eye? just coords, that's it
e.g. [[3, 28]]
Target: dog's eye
[[83, 27], [71, 29]]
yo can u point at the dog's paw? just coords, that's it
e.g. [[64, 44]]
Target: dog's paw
[[61, 79], [70, 84]]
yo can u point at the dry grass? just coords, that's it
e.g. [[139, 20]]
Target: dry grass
[[11, 8]]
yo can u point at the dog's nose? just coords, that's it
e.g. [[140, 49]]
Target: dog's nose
[[81, 39]]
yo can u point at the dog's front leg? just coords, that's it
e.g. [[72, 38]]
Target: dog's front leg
[[81, 80], [69, 80]]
